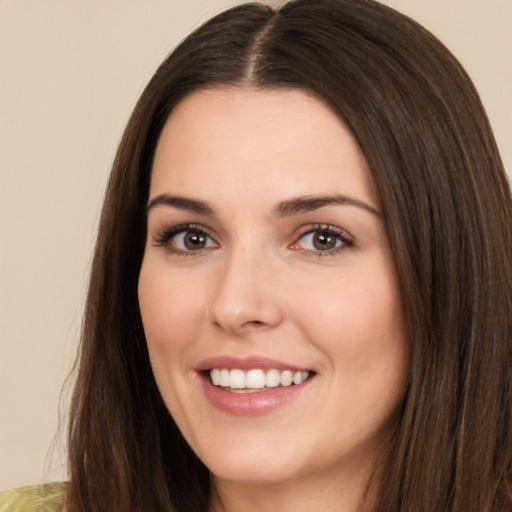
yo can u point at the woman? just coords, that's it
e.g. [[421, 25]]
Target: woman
[[301, 292]]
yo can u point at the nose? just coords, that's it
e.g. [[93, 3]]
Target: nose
[[245, 299]]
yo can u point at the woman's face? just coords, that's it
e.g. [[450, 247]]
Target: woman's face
[[267, 270]]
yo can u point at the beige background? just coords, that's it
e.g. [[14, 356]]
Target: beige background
[[70, 72]]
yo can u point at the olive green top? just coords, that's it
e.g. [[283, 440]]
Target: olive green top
[[36, 498]]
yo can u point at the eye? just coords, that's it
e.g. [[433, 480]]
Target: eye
[[185, 239], [323, 240], [192, 241]]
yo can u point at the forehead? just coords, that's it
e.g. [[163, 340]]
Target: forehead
[[262, 138]]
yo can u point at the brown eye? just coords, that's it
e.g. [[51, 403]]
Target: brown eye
[[324, 241], [185, 239], [194, 240]]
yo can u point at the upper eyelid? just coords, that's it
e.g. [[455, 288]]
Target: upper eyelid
[[164, 234], [157, 222], [186, 226], [310, 228], [347, 240]]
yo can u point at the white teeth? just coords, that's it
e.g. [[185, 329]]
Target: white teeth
[[237, 379], [299, 377], [272, 379], [286, 378], [215, 376], [225, 381], [255, 379]]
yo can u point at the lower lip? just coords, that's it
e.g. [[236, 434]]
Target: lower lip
[[251, 404]]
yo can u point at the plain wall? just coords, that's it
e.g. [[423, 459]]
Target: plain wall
[[70, 73]]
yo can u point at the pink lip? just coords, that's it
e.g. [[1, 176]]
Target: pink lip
[[249, 404], [246, 363]]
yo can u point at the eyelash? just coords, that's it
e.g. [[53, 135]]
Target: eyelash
[[168, 234], [340, 235]]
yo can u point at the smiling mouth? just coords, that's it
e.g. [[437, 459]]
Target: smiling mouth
[[256, 380]]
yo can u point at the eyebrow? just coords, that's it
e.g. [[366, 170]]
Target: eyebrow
[[286, 208], [182, 203], [306, 204]]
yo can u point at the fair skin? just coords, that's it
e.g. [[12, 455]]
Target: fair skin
[[243, 271]]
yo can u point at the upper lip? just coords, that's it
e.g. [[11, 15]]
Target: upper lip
[[247, 363]]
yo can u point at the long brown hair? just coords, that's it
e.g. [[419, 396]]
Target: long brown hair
[[448, 212]]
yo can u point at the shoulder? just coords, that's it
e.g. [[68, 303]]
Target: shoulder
[[36, 498]]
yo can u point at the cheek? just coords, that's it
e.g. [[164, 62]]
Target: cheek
[[170, 311], [358, 322], [170, 308]]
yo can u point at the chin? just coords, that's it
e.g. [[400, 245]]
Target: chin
[[253, 473], [256, 466]]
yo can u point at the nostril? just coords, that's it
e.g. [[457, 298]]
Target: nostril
[[254, 323]]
